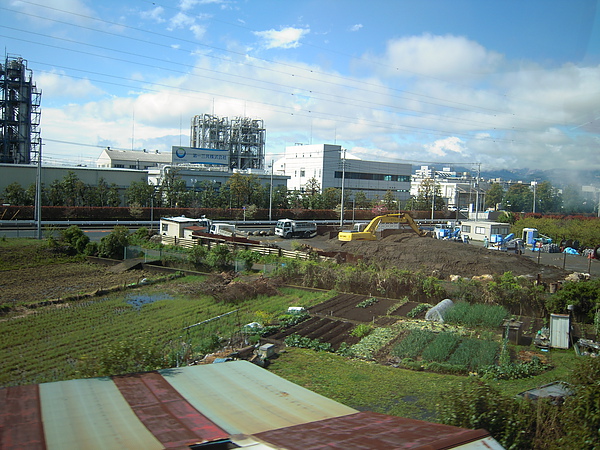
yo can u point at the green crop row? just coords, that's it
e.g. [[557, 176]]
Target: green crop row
[[476, 315], [447, 347]]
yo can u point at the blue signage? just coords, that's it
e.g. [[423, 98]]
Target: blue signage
[[191, 155]]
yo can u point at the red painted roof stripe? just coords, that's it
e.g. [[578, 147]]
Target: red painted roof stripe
[[21, 418], [164, 412]]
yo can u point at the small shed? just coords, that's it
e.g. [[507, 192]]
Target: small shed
[[560, 326], [436, 313]]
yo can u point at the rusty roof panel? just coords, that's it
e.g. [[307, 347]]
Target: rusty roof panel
[[168, 416], [373, 431], [243, 398], [20, 418], [91, 414]]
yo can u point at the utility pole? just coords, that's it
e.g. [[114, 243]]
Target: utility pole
[[271, 195], [343, 178], [38, 194], [477, 191], [533, 184]]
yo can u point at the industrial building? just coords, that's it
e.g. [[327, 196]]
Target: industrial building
[[244, 138], [20, 141], [330, 166]]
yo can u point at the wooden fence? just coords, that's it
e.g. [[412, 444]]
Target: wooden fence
[[235, 245]]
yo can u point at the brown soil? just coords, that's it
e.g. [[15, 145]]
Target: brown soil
[[443, 258], [58, 281]]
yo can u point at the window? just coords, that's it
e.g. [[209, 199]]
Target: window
[[302, 173], [466, 228], [165, 227], [479, 230], [119, 166]]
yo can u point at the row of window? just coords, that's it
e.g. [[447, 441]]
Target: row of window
[[372, 176]]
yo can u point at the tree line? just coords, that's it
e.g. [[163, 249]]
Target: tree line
[[246, 190]]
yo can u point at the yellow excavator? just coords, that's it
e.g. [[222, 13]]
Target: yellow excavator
[[368, 234]]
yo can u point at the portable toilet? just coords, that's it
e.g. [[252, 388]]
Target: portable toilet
[[529, 235], [560, 325]]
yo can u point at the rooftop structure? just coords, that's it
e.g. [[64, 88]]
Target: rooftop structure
[[225, 405]]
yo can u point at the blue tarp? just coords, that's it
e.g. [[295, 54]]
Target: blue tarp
[[570, 251]]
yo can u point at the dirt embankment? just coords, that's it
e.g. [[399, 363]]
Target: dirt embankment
[[443, 258]]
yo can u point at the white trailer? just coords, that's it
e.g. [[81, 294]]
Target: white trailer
[[288, 228]]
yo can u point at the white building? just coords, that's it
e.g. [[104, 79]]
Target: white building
[[328, 164], [460, 191], [132, 159]]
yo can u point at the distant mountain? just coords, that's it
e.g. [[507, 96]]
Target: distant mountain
[[558, 177]]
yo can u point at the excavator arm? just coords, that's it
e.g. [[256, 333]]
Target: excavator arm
[[368, 234]]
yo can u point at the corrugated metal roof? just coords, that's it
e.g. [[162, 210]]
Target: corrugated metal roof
[[90, 414], [242, 398], [373, 431], [175, 408]]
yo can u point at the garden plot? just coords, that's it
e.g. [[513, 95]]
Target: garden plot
[[326, 330], [361, 308]]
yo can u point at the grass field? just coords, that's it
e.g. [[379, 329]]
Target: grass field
[[369, 386], [47, 344]]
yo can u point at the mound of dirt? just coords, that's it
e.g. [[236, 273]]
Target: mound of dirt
[[444, 258]]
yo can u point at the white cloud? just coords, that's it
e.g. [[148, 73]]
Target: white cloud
[[180, 20], [437, 56], [356, 27], [285, 38], [59, 86], [71, 10], [442, 147], [155, 14]]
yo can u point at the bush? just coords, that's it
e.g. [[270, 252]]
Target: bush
[[583, 295], [75, 237], [219, 257], [113, 245]]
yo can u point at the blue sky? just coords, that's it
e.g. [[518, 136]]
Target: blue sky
[[507, 84]]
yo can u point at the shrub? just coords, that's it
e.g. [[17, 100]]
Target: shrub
[[219, 257], [75, 237], [113, 245]]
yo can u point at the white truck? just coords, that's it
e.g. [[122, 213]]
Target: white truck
[[224, 229], [288, 228]]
